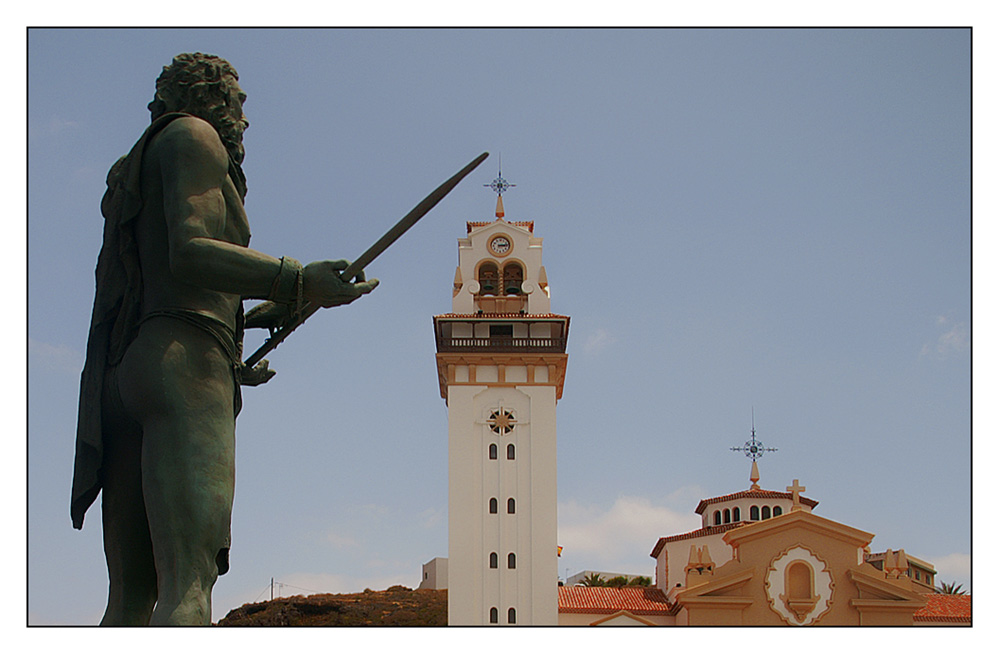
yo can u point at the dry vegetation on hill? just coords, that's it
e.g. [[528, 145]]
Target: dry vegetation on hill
[[396, 606]]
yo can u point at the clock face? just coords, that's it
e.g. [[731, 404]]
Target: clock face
[[500, 245]]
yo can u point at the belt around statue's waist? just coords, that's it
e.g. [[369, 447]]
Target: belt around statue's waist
[[222, 333]]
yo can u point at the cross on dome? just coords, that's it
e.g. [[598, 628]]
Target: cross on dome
[[754, 449]]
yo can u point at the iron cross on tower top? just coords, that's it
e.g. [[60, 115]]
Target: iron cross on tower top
[[754, 449], [500, 185]]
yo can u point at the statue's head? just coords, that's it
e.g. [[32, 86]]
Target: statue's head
[[208, 87]]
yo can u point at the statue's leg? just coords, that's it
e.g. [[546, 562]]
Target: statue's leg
[[184, 395], [127, 546]]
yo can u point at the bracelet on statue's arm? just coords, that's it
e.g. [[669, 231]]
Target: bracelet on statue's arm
[[287, 285]]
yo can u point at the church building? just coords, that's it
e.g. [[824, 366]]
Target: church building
[[761, 557]]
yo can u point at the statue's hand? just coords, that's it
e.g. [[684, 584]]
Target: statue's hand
[[321, 284], [269, 314], [259, 374]]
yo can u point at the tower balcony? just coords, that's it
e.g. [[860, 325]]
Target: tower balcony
[[501, 333], [501, 344]]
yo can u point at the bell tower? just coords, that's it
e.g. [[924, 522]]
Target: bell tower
[[501, 362]]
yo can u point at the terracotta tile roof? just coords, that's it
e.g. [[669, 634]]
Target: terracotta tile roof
[[753, 493], [701, 532], [608, 600], [945, 608]]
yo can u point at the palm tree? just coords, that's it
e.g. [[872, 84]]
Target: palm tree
[[593, 580], [952, 589]]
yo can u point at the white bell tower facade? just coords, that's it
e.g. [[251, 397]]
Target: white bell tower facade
[[501, 362]]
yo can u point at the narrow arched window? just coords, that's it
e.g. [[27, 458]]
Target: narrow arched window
[[493, 451], [493, 505], [510, 451], [736, 514], [777, 511], [510, 505], [718, 517], [511, 616], [765, 512], [494, 615], [494, 561], [511, 561], [727, 517], [754, 513]]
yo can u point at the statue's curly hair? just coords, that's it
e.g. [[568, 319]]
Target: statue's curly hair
[[202, 85]]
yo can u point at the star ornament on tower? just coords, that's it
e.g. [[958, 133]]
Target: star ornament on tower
[[502, 420]]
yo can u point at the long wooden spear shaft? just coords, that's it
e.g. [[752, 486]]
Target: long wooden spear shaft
[[368, 256]]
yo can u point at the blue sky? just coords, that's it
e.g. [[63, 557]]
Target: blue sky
[[775, 221]]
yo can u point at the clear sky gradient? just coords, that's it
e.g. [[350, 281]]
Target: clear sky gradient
[[775, 221]]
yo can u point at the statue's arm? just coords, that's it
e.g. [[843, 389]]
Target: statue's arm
[[193, 168], [194, 165]]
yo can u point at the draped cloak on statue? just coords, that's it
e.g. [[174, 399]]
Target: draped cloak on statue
[[117, 309]]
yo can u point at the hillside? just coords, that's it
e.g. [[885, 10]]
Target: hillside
[[396, 606]]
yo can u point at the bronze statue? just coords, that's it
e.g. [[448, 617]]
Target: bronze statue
[[160, 388]]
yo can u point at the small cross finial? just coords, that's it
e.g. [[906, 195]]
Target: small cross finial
[[795, 489]]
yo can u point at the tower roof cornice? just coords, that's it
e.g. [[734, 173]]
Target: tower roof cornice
[[471, 226]]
